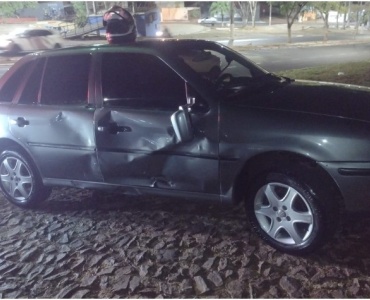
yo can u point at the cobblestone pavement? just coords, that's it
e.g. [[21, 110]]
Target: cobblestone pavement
[[85, 245]]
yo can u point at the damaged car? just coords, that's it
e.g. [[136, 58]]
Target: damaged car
[[192, 120]]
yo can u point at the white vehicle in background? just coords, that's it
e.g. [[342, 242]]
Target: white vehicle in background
[[212, 21], [29, 40]]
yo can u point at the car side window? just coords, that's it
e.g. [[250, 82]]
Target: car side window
[[43, 33], [141, 81], [34, 33], [31, 90], [40, 32], [9, 89], [65, 80]]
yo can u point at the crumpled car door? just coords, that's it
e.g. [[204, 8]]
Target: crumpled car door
[[135, 138]]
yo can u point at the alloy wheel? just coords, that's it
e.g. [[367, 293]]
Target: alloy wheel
[[283, 213], [16, 178]]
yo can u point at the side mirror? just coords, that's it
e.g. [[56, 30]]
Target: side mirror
[[181, 123]]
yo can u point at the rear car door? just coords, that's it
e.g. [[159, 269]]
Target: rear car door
[[53, 118], [135, 139]]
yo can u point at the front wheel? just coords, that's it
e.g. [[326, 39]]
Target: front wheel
[[15, 49], [20, 182], [287, 214]]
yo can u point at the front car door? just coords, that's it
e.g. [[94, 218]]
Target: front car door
[[53, 119], [135, 139]]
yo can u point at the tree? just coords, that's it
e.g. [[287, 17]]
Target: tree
[[342, 10], [231, 23], [242, 8], [291, 11], [270, 12], [324, 8], [81, 14], [253, 7], [12, 8], [366, 16], [220, 7]]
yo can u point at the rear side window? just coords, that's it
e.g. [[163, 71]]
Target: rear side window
[[31, 90], [12, 85], [141, 81], [65, 80]]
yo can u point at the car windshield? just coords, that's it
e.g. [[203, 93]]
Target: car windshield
[[228, 71]]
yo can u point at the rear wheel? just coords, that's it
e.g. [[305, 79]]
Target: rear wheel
[[19, 180], [15, 49], [287, 214]]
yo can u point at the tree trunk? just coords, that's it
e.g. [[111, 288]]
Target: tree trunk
[[253, 9], [349, 14], [344, 21], [326, 26], [291, 17], [231, 41], [270, 14], [289, 33]]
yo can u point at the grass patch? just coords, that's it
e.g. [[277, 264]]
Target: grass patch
[[357, 73]]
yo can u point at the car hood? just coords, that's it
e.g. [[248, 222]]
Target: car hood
[[314, 97]]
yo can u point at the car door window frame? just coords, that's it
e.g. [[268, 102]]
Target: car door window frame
[[45, 85], [24, 80], [99, 78], [36, 63], [90, 102]]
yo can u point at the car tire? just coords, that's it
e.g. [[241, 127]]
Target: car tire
[[57, 46], [287, 214], [15, 49], [20, 181]]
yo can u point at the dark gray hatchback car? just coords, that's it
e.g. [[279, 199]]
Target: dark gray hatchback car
[[190, 119]]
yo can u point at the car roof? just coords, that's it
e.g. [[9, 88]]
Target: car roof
[[160, 45], [21, 31]]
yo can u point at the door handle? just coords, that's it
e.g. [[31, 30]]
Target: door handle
[[20, 122], [114, 128]]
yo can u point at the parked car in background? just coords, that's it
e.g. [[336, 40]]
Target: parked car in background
[[211, 21], [29, 40], [192, 120]]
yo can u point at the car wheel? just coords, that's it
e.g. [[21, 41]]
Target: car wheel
[[20, 182], [57, 46], [15, 49], [287, 214]]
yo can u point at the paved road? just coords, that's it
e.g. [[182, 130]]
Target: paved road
[[80, 246]]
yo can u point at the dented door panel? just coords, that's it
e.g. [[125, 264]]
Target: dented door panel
[[144, 151], [60, 139]]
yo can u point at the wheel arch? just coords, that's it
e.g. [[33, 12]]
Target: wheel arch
[[15, 47], [302, 167], [24, 197], [9, 144]]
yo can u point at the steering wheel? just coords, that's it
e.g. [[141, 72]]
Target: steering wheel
[[223, 78]]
